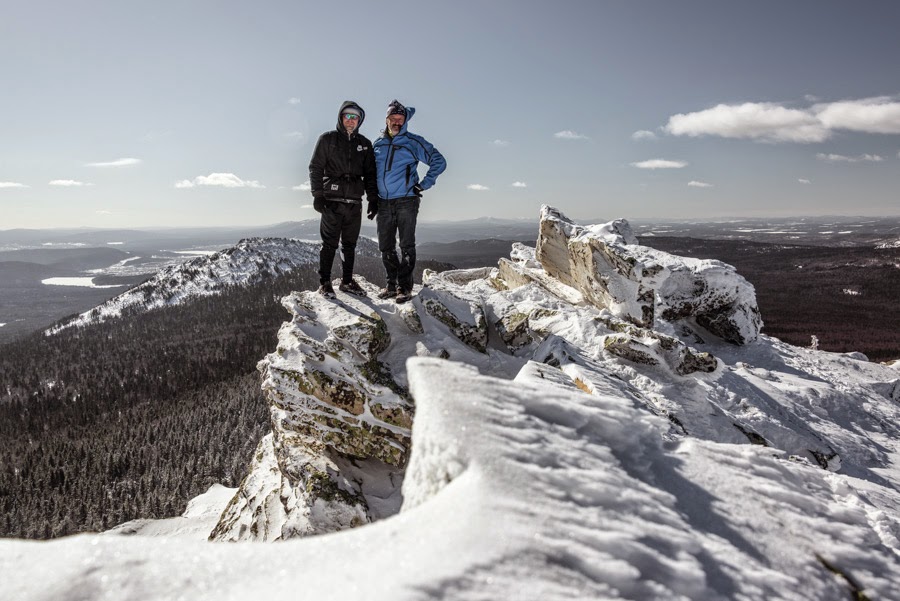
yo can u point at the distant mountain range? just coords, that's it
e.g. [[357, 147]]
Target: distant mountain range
[[819, 231]]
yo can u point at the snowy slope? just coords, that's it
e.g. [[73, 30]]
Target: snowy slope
[[530, 489], [250, 261], [195, 523], [557, 453]]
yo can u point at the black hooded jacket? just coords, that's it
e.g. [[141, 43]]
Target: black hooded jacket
[[343, 167]]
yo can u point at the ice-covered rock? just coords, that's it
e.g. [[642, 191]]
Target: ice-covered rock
[[639, 284]]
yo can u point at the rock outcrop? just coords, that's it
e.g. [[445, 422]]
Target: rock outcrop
[[611, 270], [332, 403], [590, 305]]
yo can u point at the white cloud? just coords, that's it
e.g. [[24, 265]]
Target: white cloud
[[771, 122], [221, 180], [753, 120], [879, 115], [103, 212], [500, 142], [295, 135], [304, 187], [643, 135], [803, 181], [117, 163], [839, 158], [696, 184], [68, 183], [12, 185], [294, 101], [568, 134], [307, 207], [659, 164], [478, 187], [519, 185]]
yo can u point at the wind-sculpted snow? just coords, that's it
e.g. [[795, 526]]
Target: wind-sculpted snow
[[246, 263], [531, 489], [558, 451]]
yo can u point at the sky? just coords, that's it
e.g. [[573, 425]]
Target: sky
[[206, 113]]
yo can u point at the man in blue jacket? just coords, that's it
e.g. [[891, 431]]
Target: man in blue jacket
[[398, 153]]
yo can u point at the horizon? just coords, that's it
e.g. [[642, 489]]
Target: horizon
[[177, 114], [711, 220]]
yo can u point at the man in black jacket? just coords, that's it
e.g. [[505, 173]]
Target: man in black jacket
[[342, 169]]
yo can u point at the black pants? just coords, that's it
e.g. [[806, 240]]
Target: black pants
[[398, 216], [340, 223]]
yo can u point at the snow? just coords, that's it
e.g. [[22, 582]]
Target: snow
[[528, 489], [195, 253], [559, 471], [116, 268], [76, 281], [195, 523]]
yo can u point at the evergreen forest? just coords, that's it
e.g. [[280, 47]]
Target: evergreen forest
[[133, 417]]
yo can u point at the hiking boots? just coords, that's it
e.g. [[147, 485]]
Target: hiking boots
[[389, 292], [352, 287], [403, 296], [326, 290]]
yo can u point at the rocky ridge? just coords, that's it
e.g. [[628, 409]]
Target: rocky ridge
[[249, 261], [674, 336]]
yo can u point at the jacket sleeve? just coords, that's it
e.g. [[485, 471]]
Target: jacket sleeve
[[370, 173], [317, 168], [426, 153]]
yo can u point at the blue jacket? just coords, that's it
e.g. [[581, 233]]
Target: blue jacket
[[397, 158]]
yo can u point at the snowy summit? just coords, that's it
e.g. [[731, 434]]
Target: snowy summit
[[590, 419]]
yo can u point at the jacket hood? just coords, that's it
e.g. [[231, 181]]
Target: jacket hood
[[410, 111], [350, 104]]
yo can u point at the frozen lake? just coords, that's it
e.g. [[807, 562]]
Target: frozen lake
[[81, 282]]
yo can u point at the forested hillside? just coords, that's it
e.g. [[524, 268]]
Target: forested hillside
[[134, 417], [846, 297]]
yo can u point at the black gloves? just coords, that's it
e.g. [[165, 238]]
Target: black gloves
[[417, 190], [319, 203], [372, 209]]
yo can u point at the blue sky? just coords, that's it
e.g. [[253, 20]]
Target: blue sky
[[126, 114]]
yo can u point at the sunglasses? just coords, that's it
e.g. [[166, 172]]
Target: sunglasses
[[351, 116]]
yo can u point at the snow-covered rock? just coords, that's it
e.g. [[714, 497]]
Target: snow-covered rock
[[332, 402], [607, 265]]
